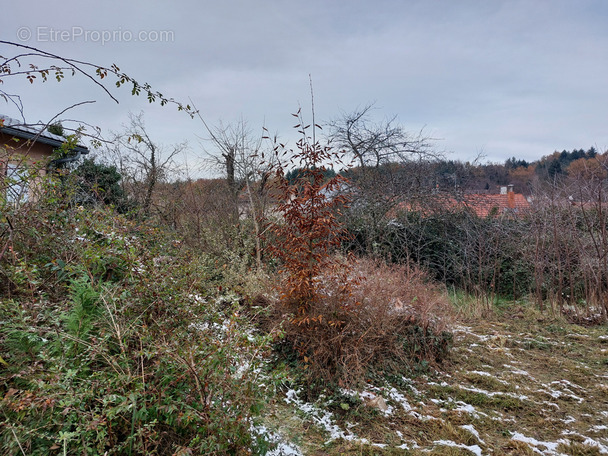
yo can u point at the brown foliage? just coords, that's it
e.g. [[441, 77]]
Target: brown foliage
[[309, 228], [343, 317], [373, 317]]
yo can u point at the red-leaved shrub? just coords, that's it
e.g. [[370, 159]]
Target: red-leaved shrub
[[343, 318]]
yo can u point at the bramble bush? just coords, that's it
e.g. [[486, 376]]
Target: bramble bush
[[114, 341], [393, 320]]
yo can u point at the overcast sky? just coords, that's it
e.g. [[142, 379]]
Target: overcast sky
[[504, 78]]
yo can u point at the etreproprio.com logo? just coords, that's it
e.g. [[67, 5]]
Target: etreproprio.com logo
[[44, 34]]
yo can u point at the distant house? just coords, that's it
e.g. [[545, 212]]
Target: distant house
[[505, 204], [27, 149]]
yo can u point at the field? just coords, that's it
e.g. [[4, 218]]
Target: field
[[517, 383]]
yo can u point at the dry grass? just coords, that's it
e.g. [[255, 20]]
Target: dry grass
[[518, 383], [369, 317]]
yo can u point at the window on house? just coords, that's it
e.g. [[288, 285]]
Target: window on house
[[16, 183]]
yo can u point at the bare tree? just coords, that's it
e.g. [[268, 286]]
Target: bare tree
[[231, 143], [142, 162], [238, 153], [390, 166], [570, 235], [375, 143]]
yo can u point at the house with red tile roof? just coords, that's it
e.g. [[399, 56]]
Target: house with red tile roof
[[507, 203]]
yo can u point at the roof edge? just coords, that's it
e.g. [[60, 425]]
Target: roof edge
[[37, 136]]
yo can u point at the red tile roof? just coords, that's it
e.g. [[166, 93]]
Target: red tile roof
[[483, 205]]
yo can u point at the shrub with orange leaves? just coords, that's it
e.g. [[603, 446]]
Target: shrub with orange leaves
[[309, 228], [344, 318]]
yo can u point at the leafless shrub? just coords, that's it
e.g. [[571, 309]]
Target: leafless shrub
[[569, 232]]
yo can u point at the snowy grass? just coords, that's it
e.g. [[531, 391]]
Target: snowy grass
[[514, 385]]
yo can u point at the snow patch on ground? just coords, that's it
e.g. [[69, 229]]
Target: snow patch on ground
[[516, 371], [282, 448], [603, 449], [472, 430], [550, 447], [475, 449], [468, 408], [324, 419], [521, 397], [482, 373], [599, 428], [399, 398]]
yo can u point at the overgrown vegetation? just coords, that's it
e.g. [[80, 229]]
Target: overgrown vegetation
[[115, 340], [147, 313], [344, 319]]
